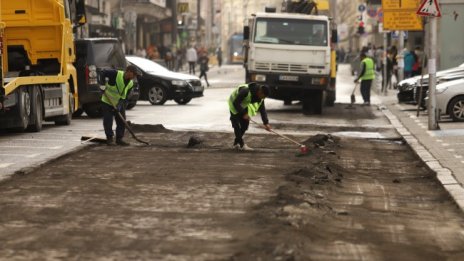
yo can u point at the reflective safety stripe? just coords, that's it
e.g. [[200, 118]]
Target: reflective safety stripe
[[118, 91]]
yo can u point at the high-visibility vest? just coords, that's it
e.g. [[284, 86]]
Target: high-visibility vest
[[118, 91], [369, 73], [252, 108]]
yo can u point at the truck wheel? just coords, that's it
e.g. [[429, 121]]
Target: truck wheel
[[93, 110], [37, 110], [66, 119], [182, 101], [330, 98], [23, 109]]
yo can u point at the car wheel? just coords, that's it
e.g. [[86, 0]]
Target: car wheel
[[182, 101], [93, 110], [131, 105], [157, 95], [456, 108], [78, 112]]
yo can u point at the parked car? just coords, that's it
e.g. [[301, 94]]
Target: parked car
[[92, 55], [158, 84], [409, 89], [450, 99]]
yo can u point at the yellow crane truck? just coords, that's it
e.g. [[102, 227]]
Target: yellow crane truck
[[38, 79]]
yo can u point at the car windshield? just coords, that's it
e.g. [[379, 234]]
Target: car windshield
[[109, 54], [146, 65], [291, 31]]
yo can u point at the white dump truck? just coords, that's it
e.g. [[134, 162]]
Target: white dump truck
[[293, 53]]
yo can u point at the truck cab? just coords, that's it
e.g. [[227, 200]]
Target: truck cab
[[292, 54]]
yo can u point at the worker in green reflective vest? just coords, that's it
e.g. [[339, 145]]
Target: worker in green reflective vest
[[366, 76], [245, 102], [117, 86]]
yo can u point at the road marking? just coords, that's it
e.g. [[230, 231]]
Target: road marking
[[21, 155], [445, 144], [458, 156], [5, 165], [450, 150], [33, 147]]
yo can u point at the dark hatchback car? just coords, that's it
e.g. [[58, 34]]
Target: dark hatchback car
[[158, 84], [93, 55]]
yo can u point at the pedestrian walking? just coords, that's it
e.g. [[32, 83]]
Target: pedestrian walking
[[417, 67], [219, 56], [366, 76], [245, 102], [192, 59], [409, 61], [117, 86], [204, 67]]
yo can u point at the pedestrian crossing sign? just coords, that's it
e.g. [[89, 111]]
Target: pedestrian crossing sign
[[429, 8]]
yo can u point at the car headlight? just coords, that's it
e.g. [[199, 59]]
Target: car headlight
[[179, 82], [441, 90]]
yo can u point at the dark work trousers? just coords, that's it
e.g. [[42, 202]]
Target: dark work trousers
[[108, 113], [240, 126], [366, 90], [191, 67], [203, 73]]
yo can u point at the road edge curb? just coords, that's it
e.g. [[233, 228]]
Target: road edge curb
[[48, 160]]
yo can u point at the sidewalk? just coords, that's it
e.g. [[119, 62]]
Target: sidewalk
[[442, 150]]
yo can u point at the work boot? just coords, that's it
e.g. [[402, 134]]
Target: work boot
[[109, 141], [246, 148], [120, 142], [236, 147]]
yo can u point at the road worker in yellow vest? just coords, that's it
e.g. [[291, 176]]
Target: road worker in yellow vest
[[117, 86], [366, 76], [245, 102]]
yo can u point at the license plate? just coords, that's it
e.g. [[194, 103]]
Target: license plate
[[291, 78]]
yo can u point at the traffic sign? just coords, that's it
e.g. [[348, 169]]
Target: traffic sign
[[402, 21], [372, 12], [362, 8], [399, 4], [429, 8], [401, 15]]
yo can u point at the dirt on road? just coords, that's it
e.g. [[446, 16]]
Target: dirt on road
[[348, 199]]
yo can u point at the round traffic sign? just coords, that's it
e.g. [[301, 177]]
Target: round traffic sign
[[362, 8]]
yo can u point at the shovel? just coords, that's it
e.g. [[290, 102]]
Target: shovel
[[123, 120], [303, 148]]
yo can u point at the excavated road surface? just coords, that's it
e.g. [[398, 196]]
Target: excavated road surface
[[348, 199]]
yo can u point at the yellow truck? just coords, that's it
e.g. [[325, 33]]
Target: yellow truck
[[38, 79]]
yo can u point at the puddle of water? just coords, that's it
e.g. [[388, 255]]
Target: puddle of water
[[359, 134]]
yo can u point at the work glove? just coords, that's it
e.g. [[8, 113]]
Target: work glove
[[121, 105]]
